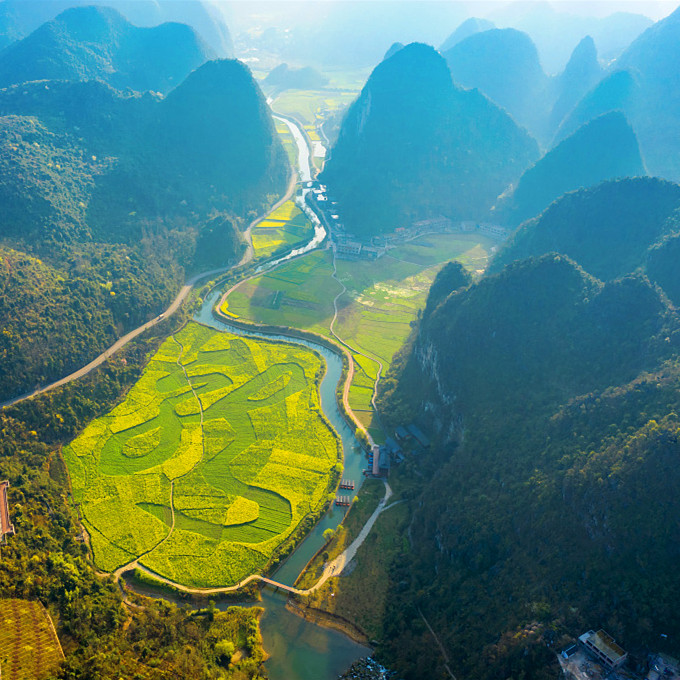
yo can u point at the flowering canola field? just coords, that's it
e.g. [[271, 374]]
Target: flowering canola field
[[214, 458]]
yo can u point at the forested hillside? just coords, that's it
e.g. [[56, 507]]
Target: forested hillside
[[167, 180], [604, 148], [552, 398], [86, 43], [414, 145], [607, 229]]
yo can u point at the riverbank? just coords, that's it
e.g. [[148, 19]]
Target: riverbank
[[323, 618]]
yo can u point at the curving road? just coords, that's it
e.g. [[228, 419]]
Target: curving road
[[121, 342], [174, 306]]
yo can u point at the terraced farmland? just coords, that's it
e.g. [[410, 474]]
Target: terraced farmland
[[29, 648], [211, 462], [286, 227]]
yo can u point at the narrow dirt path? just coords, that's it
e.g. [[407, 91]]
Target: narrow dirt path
[[439, 644], [353, 350]]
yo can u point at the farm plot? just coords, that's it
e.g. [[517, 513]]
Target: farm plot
[[311, 107], [286, 137], [29, 648], [376, 312], [285, 228], [214, 458], [298, 294]]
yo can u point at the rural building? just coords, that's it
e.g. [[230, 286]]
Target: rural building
[[384, 464], [376, 460], [439, 223], [419, 436], [402, 434], [392, 446], [493, 230], [371, 253], [348, 249], [6, 527], [603, 647]]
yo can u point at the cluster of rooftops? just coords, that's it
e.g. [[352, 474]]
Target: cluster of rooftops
[[6, 527]]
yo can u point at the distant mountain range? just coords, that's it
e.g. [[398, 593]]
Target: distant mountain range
[[283, 77], [466, 29], [87, 43], [644, 83], [504, 65], [581, 73], [19, 18], [413, 145]]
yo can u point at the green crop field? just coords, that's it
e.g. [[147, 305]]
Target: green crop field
[[285, 228], [29, 649], [288, 141], [375, 314], [299, 293], [213, 459], [311, 107]]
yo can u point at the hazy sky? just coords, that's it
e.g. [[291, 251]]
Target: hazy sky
[[654, 9]]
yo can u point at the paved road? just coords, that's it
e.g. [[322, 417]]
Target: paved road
[[121, 342], [181, 296]]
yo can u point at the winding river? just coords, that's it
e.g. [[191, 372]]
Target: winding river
[[298, 649], [301, 650]]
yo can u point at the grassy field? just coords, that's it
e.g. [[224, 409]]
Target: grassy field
[[288, 142], [285, 228], [29, 649], [299, 294], [213, 459], [375, 313]]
